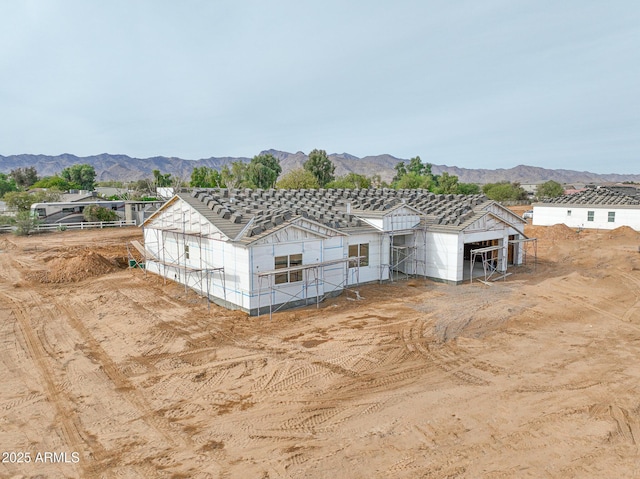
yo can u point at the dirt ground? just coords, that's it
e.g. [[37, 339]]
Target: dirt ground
[[536, 376]]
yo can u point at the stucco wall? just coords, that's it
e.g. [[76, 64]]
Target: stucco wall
[[578, 218]]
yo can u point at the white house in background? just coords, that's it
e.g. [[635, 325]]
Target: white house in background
[[597, 208], [259, 250]]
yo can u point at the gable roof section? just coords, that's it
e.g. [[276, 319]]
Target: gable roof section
[[505, 213], [298, 228], [481, 223], [159, 211], [179, 216]]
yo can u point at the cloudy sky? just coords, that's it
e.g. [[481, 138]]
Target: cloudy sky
[[475, 84]]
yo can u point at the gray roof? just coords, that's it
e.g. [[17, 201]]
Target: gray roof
[[247, 214], [602, 196]]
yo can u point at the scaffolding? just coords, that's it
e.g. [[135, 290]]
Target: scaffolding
[[197, 278], [137, 256], [313, 275], [526, 244], [488, 258], [403, 255]]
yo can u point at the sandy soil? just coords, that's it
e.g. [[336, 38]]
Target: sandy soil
[[536, 376]]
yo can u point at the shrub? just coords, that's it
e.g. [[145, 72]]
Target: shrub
[[99, 213], [25, 223]]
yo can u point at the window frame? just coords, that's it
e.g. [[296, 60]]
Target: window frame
[[287, 261], [591, 215], [611, 217], [359, 249]]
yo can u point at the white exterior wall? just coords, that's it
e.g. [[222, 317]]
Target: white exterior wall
[[168, 247], [334, 275], [553, 215], [443, 255], [204, 253], [378, 257], [263, 259]]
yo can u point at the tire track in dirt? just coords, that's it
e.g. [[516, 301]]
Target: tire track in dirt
[[627, 425], [633, 309], [120, 381], [227, 363], [65, 416], [295, 378], [440, 356]]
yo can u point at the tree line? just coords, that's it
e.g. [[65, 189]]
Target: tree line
[[319, 172], [22, 186]]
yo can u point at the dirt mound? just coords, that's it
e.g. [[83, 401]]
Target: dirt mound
[[625, 232], [70, 268], [555, 232]]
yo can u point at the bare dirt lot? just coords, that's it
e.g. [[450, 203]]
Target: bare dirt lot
[[536, 376]]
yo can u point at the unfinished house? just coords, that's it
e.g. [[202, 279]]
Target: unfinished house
[[262, 250], [595, 208]]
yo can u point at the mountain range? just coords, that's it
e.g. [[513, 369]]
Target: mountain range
[[124, 168]]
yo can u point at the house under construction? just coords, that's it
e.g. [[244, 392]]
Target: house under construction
[[263, 250]]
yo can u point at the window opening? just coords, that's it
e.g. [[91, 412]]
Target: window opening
[[359, 250], [282, 262]]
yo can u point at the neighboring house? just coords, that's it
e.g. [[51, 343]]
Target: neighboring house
[[260, 249], [71, 212], [78, 195], [598, 208], [139, 211], [530, 188]]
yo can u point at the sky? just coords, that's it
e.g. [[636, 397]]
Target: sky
[[474, 84]]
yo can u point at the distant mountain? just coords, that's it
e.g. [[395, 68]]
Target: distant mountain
[[123, 167]]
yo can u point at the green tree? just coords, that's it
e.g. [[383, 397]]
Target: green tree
[[83, 175], [468, 189], [416, 166], [205, 177], [24, 177], [320, 166], [412, 181], [99, 213], [297, 179], [446, 184], [22, 200], [263, 171], [236, 176], [350, 181], [56, 182], [401, 170], [504, 191], [7, 184], [549, 189], [420, 174], [161, 179]]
